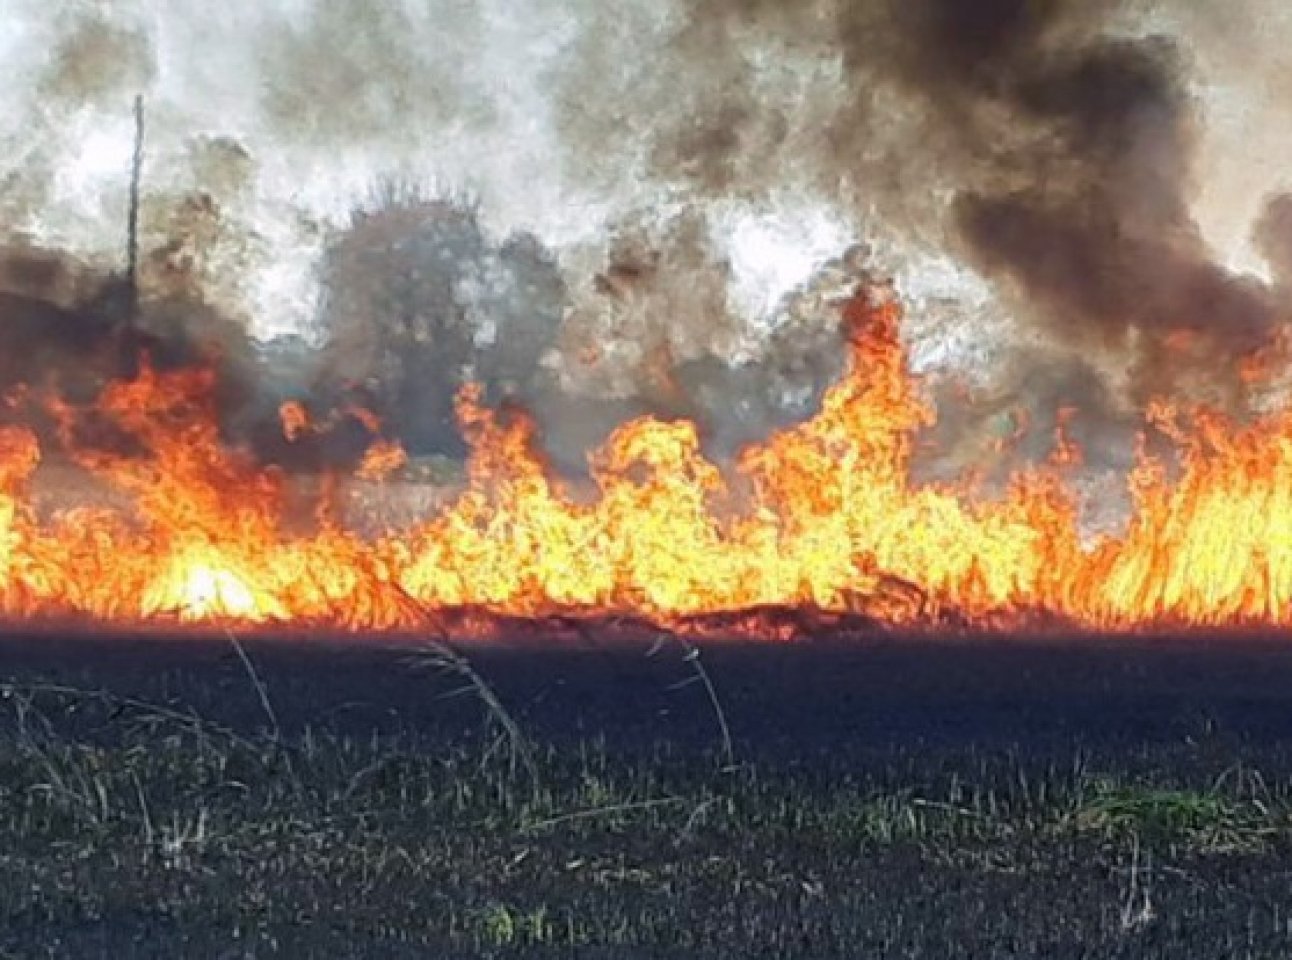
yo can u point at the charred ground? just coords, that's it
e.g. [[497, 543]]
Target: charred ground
[[883, 797]]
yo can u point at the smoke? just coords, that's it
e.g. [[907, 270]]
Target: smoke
[[69, 330], [1053, 148], [661, 197], [1085, 208]]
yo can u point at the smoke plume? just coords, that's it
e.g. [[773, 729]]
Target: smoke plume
[[663, 198]]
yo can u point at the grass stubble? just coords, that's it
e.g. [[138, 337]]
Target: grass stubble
[[154, 832]]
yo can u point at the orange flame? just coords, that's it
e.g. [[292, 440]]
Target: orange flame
[[824, 515]]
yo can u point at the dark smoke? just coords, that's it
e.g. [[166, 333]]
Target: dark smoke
[[1057, 151], [1075, 155], [1052, 145], [67, 329], [1090, 219]]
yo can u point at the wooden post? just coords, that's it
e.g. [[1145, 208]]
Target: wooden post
[[132, 223]]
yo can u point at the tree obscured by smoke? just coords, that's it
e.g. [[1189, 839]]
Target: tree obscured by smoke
[[1273, 235], [419, 300]]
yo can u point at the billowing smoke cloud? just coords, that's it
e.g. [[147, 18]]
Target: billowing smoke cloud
[[627, 166], [1048, 147], [1054, 148], [1085, 205]]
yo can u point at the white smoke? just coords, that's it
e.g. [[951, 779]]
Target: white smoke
[[325, 98]]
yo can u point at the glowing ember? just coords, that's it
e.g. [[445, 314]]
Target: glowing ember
[[822, 516]]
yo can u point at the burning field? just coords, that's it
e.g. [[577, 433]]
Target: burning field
[[724, 479], [699, 414], [823, 516]]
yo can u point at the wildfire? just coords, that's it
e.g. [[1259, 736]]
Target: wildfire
[[822, 516]]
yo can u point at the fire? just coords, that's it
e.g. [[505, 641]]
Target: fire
[[823, 516]]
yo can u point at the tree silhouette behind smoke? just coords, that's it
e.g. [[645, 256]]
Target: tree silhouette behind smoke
[[418, 301]]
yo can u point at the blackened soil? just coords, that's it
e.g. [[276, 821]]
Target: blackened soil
[[930, 731], [784, 703]]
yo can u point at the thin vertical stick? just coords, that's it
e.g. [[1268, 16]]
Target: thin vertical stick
[[132, 223]]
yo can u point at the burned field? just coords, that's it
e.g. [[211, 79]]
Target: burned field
[[792, 424], [625, 797]]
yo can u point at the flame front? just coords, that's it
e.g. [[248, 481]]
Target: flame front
[[823, 515]]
